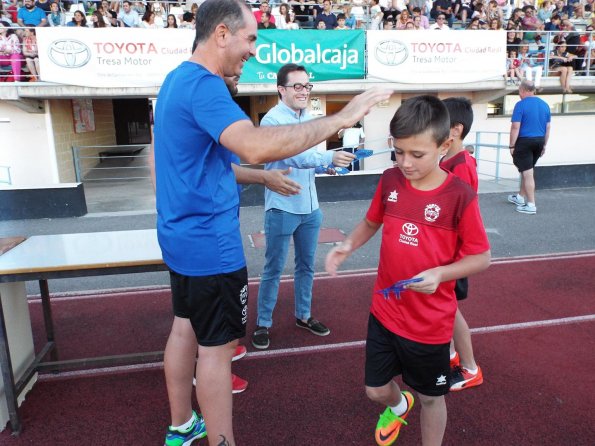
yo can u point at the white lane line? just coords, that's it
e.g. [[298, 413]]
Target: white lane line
[[318, 348]]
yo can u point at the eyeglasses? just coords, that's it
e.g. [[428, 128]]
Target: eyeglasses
[[300, 87]]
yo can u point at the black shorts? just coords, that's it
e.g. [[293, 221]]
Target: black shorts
[[461, 288], [216, 305], [425, 367], [526, 152]]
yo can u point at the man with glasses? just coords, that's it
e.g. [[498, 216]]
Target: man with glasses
[[440, 23], [296, 216], [443, 8]]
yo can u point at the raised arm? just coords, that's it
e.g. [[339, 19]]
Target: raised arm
[[258, 145]]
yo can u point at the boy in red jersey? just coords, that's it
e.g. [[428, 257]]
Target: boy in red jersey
[[432, 231], [465, 372]]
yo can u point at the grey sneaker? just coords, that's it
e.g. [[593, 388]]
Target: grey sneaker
[[260, 338], [516, 199], [316, 327], [527, 209]]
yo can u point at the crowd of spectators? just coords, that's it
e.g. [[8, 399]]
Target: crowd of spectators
[[539, 25]]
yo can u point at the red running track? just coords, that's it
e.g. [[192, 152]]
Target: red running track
[[534, 336]]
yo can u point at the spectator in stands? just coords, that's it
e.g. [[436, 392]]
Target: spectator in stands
[[401, 22], [30, 15], [495, 25], [31, 53], [444, 8], [376, 15], [350, 21], [530, 22], [544, 12], [265, 21], [392, 11], [321, 25], [159, 10], [516, 18], [388, 24], [187, 21], [291, 23], [97, 20], [128, 17], [493, 11], [530, 66], [463, 10], [282, 18], [109, 15], [474, 23], [440, 23], [341, 22], [357, 10], [562, 9], [327, 16], [554, 23], [56, 17], [417, 23], [78, 19], [171, 21], [479, 12], [148, 20], [423, 20], [562, 61], [303, 12], [44, 5], [10, 51], [513, 71], [262, 8], [512, 41]]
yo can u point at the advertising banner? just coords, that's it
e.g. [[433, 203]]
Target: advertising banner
[[111, 57], [328, 55], [450, 57]]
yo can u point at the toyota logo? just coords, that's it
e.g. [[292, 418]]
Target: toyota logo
[[69, 53], [391, 52], [410, 229]]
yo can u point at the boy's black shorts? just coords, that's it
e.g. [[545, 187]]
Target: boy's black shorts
[[216, 305], [425, 367], [526, 152], [461, 288]]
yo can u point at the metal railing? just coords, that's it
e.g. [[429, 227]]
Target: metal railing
[[492, 155], [111, 163], [5, 177]]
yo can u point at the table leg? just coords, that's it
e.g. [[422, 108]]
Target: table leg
[[47, 317], [8, 377]]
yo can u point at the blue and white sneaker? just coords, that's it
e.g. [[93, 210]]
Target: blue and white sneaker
[[176, 438], [516, 199]]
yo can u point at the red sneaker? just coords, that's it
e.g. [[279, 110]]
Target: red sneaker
[[461, 379], [238, 385], [239, 353]]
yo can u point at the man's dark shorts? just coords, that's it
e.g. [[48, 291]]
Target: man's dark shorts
[[425, 367], [216, 305], [526, 152]]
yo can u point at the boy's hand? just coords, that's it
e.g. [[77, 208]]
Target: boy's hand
[[429, 284], [336, 256]]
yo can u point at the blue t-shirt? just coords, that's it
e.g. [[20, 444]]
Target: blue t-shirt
[[534, 114], [31, 18], [197, 197]]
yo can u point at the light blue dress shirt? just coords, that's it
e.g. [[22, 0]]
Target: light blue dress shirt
[[302, 166]]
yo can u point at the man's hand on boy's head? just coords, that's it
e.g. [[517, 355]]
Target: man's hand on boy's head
[[429, 284]]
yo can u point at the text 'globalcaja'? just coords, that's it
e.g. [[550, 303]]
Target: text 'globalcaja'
[[271, 53]]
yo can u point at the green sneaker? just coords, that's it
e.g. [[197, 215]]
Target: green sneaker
[[176, 438], [389, 424]]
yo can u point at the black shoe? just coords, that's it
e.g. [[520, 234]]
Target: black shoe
[[260, 338], [316, 327]]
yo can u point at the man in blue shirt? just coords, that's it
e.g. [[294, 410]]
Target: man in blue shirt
[[198, 128], [529, 133], [327, 16], [30, 15], [296, 216]]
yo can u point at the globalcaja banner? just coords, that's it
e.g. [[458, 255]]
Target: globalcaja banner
[[327, 55], [111, 57], [418, 57]]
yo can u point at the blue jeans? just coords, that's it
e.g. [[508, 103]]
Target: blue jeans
[[279, 227]]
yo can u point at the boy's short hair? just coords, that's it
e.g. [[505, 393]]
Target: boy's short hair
[[460, 112], [419, 115], [341, 16]]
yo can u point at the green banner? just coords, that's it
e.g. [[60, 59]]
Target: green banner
[[327, 55]]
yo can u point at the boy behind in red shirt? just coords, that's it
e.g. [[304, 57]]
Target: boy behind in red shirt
[[465, 372], [432, 229]]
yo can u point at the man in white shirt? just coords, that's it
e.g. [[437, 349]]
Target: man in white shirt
[[128, 17], [440, 23]]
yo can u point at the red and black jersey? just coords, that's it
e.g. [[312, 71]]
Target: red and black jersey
[[422, 230], [464, 166]]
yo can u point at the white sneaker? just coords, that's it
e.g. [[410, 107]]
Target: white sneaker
[[516, 199], [527, 208]]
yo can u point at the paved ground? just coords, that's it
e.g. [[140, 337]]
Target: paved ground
[[564, 222]]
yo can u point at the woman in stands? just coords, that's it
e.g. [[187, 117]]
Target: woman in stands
[[561, 61], [148, 20], [281, 21], [291, 23], [98, 20], [10, 52], [78, 19], [56, 17], [171, 21], [402, 20], [31, 53]]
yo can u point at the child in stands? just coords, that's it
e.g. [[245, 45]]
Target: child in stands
[[432, 231]]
